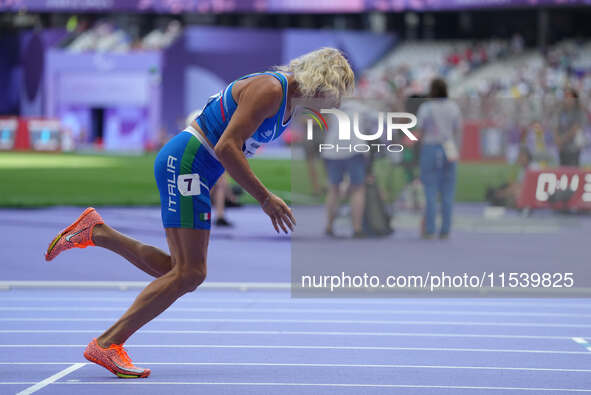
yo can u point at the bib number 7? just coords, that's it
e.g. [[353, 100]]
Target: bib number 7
[[189, 184]]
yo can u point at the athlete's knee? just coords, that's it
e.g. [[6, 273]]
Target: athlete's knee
[[194, 278], [189, 277]]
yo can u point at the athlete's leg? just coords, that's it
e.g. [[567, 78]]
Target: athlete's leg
[[150, 259], [89, 229], [189, 251]]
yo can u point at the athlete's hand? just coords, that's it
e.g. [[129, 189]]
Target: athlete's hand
[[279, 212]]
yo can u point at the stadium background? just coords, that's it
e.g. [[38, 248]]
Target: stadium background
[[91, 89], [120, 78]]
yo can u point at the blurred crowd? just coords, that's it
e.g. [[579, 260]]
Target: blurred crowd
[[522, 93], [410, 67], [567, 64], [108, 35], [481, 69]]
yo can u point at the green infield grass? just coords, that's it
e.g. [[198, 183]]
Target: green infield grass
[[45, 179]]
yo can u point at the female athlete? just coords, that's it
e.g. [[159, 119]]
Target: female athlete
[[251, 111]]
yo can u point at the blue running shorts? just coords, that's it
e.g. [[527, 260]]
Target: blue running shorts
[[185, 171]]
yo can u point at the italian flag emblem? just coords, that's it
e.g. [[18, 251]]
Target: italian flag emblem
[[205, 216]]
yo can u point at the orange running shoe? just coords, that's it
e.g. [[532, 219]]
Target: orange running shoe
[[77, 235], [115, 359]]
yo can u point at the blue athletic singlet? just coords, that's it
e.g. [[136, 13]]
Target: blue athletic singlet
[[216, 115], [186, 167]]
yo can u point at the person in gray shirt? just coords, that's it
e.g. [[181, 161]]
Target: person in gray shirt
[[440, 125]]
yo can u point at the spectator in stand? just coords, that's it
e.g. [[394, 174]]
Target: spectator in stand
[[568, 134], [440, 125]]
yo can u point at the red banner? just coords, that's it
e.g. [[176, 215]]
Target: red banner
[[560, 188]]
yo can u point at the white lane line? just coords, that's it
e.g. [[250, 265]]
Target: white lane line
[[249, 310], [309, 347], [330, 365], [300, 333], [305, 321], [37, 363], [17, 382], [582, 342], [125, 285], [240, 300], [278, 384], [199, 298], [51, 379]]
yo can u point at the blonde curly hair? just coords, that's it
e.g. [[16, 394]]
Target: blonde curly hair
[[324, 72]]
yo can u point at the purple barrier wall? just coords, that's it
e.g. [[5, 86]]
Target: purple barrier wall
[[217, 55], [174, 63], [33, 46], [10, 83]]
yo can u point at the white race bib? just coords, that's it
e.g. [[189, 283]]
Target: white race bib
[[189, 184]]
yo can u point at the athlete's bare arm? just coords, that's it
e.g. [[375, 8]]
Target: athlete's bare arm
[[257, 100]]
